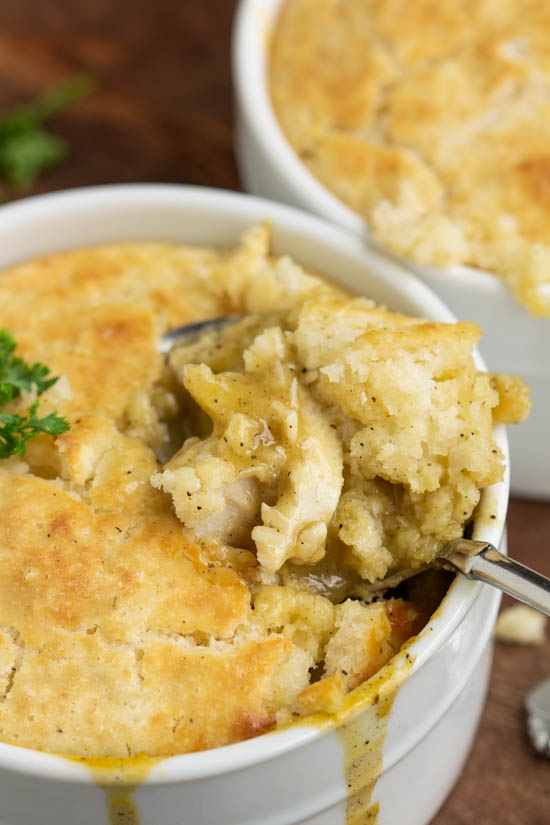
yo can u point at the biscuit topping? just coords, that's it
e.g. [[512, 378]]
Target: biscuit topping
[[430, 119]]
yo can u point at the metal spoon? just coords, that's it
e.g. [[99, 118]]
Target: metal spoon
[[537, 706], [476, 560], [189, 332], [480, 561]]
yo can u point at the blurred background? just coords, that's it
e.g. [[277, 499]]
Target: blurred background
[[162, 107]]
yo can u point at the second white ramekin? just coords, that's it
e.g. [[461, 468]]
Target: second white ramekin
[[514, 341]]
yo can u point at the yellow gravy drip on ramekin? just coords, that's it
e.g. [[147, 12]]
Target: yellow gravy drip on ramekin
[[361, 725], [364, 734], [119, 778], [367, 711]]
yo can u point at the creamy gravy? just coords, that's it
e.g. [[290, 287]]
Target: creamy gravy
[[119, 778]]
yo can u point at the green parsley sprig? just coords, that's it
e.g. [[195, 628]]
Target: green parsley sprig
[[16, 375], [26, 148]]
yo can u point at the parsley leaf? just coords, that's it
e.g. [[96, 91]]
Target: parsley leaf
[[15, 430], [24, 156], [16, 375], [27, 149], [7, 345], [20, 376]]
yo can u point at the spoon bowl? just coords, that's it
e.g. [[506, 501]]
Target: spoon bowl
[[188, 333]]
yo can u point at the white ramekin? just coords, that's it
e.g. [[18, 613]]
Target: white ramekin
[[295, 775], [514, 341]]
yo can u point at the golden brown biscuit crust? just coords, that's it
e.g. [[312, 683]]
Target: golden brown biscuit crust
[[430, 119], [114, 632]]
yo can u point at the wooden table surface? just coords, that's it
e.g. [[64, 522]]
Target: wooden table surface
[[162, 112]]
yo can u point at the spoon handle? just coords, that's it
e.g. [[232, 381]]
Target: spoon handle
[[481, 561]]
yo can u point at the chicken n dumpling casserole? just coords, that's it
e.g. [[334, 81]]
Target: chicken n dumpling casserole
[[190, 563], [430, 119]]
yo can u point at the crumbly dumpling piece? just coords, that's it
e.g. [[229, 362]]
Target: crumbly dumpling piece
[[415, 418], [364, 639], [367, 636], [272, 467], [359, 646], [513, 398], [306, 618], [399, 399], [430, 119]]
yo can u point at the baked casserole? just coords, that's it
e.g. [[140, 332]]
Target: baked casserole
[[431, 120], [189, 565]]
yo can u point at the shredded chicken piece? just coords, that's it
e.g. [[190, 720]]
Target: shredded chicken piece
[[271, 469]]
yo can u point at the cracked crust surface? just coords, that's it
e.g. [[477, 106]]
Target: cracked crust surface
[[431, 120], [125, 629], [116, 636]]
